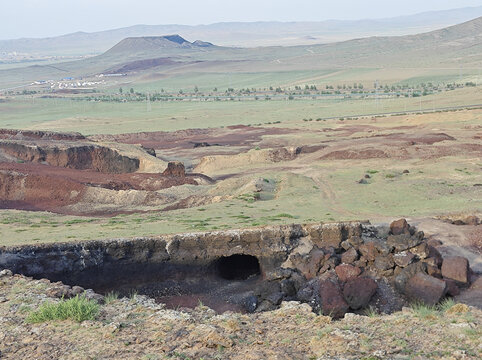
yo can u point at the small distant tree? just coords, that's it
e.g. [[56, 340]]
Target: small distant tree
[[120, 90], [131, 90], [215, 89], [196, 89]]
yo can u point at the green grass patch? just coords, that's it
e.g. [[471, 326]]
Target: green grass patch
[[78, 309]]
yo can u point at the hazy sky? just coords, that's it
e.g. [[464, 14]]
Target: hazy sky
[[41, 18]]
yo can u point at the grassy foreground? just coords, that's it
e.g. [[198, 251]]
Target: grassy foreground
[[137, 328]]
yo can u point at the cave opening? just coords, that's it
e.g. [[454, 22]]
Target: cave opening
[[237, 267]]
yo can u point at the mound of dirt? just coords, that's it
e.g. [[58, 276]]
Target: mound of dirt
[[215, 163], [369, 153], [422, 139]]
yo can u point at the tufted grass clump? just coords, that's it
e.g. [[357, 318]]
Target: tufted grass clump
[[424, 311], [78, 309]]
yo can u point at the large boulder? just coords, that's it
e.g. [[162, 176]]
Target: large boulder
[[456, 268], [332, 301], [358, 292], [403, 242], [425, 288], [399, 227]]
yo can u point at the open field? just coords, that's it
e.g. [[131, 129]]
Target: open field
[[100, 117], [440, 151]]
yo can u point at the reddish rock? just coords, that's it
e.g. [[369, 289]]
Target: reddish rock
[[399, 227], [308, 264], [383, 263], [332, 235], [421, 251], [452, 287], [369, 251], [345, 272], [456, 268], [332, 301], [425, 288], [175, 168], [403, 259], [355, 240], [358, 292], [349, 256]]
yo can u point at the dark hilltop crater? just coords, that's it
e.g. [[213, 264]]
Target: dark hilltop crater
[[155, 43]]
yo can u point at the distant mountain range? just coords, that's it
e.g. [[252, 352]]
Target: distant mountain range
[[162, 56], [250, 34]]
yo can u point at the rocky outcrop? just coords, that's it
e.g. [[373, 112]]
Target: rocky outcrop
[[175, 168], [334, 267], [74, 155]]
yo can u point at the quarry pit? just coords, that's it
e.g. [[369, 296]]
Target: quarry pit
[[334, 267]]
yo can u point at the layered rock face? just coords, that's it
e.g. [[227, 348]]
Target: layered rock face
[[336, 267], [74, 155]]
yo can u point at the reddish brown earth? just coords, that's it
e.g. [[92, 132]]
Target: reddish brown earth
[[32, 186], [239, 136]]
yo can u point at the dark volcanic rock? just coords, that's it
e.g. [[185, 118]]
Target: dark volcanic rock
[[358, 292], [452, 287], [408, 272], [456, 268], [332, 301], [288, 287], [405, 241], [425, 288], [250, 303]]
